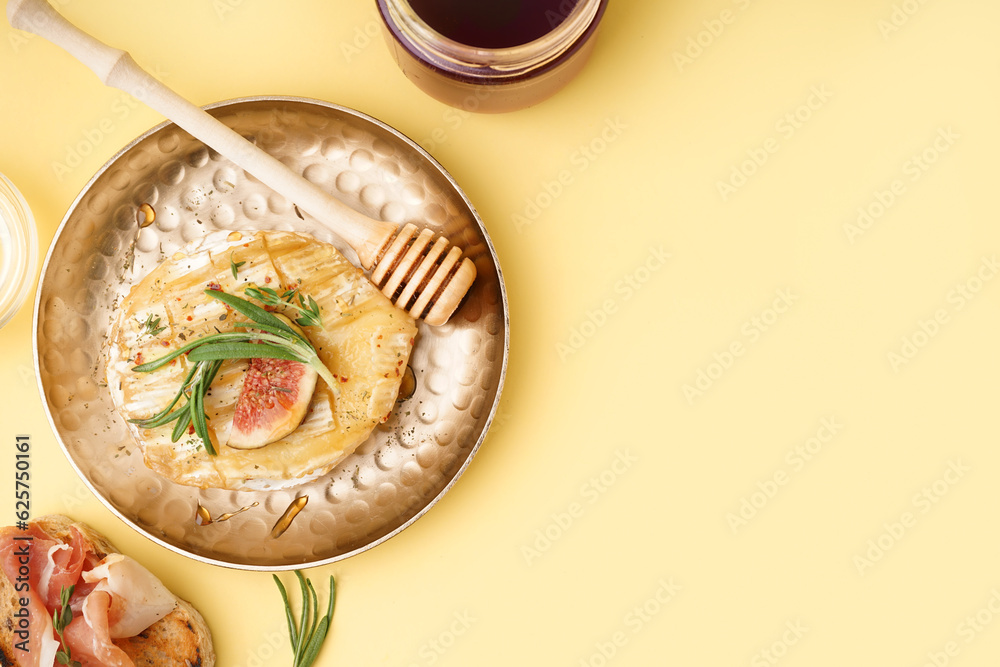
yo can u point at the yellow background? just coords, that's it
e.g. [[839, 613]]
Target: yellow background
[[642, 498]]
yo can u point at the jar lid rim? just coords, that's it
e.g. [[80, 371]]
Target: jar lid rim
[[501, 61]]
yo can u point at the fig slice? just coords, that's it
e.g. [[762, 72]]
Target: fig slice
[[273, 401]]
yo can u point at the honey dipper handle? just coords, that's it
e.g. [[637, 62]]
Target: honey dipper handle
[[116, 68]]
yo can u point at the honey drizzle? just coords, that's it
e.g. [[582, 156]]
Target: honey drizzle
[[203, 517], [282, 524]]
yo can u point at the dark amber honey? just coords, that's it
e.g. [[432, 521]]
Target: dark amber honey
[[493, 24]]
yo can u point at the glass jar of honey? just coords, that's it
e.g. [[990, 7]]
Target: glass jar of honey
[[491, 55]]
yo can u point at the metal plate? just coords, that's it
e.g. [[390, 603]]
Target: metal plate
[[99, 251]]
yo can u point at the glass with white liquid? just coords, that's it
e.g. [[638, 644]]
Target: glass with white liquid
[[18, 250]]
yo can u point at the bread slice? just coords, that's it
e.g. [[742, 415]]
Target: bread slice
[[180, 639]]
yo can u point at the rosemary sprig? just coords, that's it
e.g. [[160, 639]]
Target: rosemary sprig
[[268, 337], [235, 266], [307, 308], [61, 618], [307, 635], [152, 325]]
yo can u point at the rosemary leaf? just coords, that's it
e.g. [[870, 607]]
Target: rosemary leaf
[[315, 643], [314, 608], [182, 425], [166, 359], [221, 351], [160, 418], [303, 618], [292, 629], [309, 314], [152, 325], [235, 266], [282, 333], [250, 310]]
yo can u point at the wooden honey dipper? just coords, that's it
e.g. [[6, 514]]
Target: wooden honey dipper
[[419, 271]]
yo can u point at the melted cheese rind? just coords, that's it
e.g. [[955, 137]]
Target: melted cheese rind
[[365, 342]]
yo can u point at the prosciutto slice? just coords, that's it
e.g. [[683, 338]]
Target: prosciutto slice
[[113, 598], [89, 636], [23, 558], [144, 600]]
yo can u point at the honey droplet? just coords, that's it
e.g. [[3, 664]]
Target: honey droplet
[[282, 524], [146, 216], [408, 385], [202, 516]]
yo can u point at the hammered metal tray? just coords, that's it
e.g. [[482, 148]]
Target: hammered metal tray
[[100, 250]]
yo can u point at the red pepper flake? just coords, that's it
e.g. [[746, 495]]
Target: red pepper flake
[[411, 341], [343, 379], [399, 363], [191, 429], [138, 358], [267, 279], [165, 343], [214, 286], [189, 318]]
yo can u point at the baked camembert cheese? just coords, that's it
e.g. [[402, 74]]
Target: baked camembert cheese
[[365, 341]]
